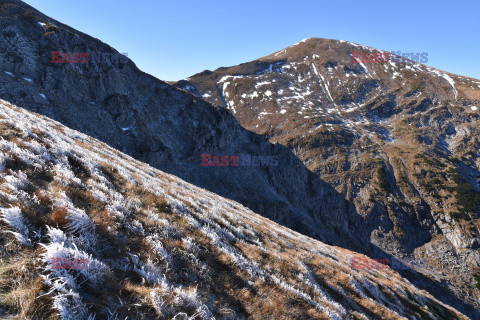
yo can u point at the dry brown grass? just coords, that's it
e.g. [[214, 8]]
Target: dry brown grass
[[104, 221], [21, 286], [59, 217], [44, 198], [82, 198], [270, 302], [381, 312]]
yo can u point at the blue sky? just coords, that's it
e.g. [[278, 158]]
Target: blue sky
[[175, 39]]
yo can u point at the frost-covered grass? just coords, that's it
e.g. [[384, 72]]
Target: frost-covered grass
[[191, 253], [14, 218]]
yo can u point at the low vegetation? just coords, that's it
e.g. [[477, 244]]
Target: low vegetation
[[383, 180], [468, 199]]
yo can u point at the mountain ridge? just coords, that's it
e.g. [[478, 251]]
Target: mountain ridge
[[155, 122], [161, 125], [398, 139]]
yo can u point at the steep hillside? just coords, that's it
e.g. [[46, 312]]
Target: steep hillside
[[91, 233], [161, 125], [397, 138]]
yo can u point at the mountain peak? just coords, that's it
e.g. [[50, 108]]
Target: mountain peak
[[383, 132], [340, 49]]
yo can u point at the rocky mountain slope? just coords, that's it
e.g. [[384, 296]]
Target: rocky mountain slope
[[70, 205], [161, 125], [171, 129], [399, 139]]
